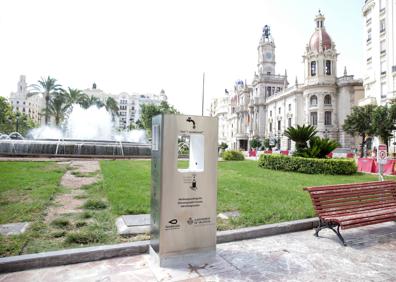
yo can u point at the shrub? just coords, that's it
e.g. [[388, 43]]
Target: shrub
[[308, 165], [233, 155]]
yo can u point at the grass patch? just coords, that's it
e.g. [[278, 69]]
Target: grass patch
[[94, 204], [86, 215], [26, 189], [127, 185], [84, 174], [58, 234], [86, 237], [261, 196], [80, 224], [80, 197], [61, 223]]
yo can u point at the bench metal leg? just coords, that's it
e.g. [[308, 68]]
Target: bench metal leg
[[323, 224]]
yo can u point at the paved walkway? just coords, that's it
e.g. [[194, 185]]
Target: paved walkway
[[299, 256]]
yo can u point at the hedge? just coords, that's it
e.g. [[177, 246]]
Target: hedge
[[232, 155], [308, 165]]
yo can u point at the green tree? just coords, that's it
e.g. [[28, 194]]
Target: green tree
[[148, 111], [74, 96], [90, 101], [301, 135], [112, 107], [58, 107], [255, 143], [136, 125], [9, 119], [384, 122], [48, 87], [360, 123]]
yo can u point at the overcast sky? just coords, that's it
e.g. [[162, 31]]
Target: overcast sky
[[146, 46]]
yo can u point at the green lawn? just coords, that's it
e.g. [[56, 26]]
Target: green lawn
[[262, 196], [28, 188]]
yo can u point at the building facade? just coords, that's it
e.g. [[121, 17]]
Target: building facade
[[379, 79], [21, 102], [269, 105], [129, 104]]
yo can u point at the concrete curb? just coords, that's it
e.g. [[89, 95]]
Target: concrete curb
[[70, 256]]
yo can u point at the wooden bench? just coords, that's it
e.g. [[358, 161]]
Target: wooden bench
[[352, 205]]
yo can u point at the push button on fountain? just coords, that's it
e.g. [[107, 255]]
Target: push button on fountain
[[194, 184]]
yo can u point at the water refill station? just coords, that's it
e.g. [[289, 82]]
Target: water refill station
[[183, 193]]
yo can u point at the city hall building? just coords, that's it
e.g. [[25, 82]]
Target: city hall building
[[267, 106]]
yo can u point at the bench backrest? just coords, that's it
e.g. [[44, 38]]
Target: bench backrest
[[349, 198]]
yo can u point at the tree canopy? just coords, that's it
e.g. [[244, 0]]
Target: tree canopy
[[48, 87], [9, 119], [148, 111]]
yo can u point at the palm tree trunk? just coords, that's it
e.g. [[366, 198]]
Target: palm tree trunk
[[363, 144], [46, 108]]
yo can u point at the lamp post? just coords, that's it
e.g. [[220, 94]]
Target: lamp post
[[17, 122], [279, 140], [326, 133]]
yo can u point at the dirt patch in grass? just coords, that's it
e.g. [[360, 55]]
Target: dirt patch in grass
[[72, 201]]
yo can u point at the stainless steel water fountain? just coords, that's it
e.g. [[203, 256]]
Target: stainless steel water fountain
[[183, 195]]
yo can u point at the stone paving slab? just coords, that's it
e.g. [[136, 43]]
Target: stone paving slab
[[14, 228], [133, 224], [299, 256]]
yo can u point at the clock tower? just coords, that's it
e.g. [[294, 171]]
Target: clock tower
[[266, 53]]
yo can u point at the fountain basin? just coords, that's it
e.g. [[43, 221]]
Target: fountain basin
[[74, 148]]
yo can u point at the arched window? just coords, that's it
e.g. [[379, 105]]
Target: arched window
[[313, 68], [327, 100], [314, 100]]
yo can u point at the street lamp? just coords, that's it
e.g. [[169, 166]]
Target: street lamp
[[279, 139], [17, 121]]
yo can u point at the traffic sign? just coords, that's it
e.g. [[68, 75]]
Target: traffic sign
[[382, 156]]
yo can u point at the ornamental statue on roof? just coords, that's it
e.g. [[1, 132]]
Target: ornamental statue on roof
[[266, 31]]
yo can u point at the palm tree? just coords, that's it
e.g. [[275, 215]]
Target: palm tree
[[112, 107], [90, 101], [74, 96], [58, 107], [300, 135], [48, 87]]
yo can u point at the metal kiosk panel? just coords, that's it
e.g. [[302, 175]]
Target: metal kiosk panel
[[183, 198]]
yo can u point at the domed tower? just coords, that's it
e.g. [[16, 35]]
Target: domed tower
[[320, 91], [266, 53], [320, 58]]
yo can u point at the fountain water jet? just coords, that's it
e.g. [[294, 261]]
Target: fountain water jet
[[86, 133]]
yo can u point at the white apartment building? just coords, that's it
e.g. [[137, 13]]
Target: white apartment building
[[31, 106], [380, 51], [129, 104], [268, 106]]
